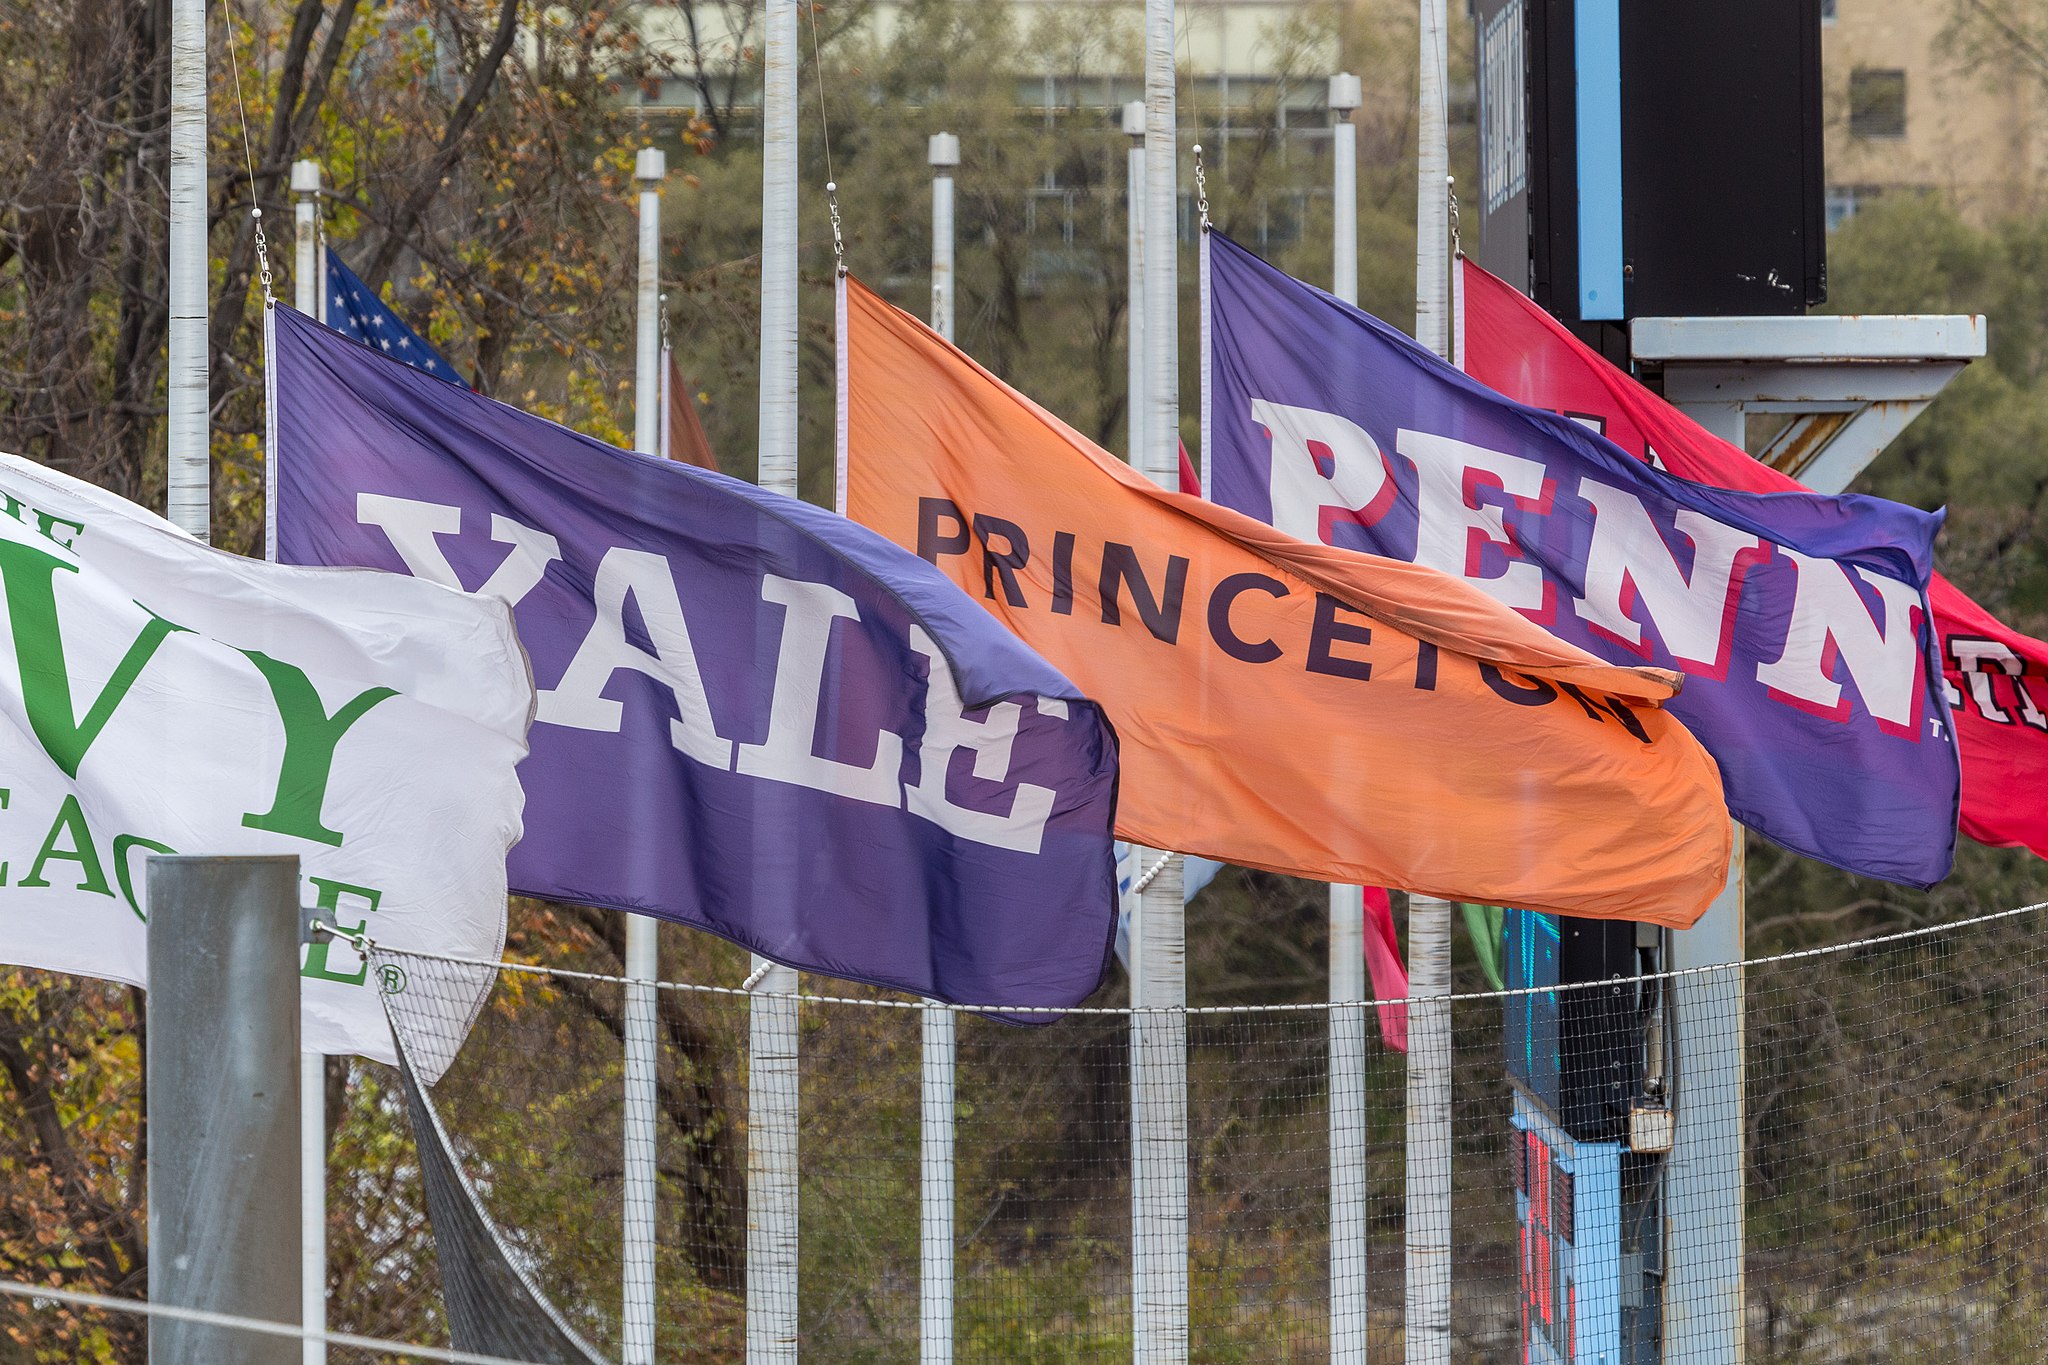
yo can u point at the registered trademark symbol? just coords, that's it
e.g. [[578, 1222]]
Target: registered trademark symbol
[[392, 978]]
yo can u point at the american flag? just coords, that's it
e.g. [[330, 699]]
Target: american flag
[[355, 311]]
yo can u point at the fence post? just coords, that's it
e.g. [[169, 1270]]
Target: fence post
[[309, 275], [1704, 1289], [1428, 1128], [1159, 1119], [1348, 1250], [935, 1280], [643, 943], [222, 1030], [772, 1043]]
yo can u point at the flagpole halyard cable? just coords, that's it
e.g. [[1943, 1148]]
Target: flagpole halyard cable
[[248, 160], [1457, 242], [838, 242], [818, 69], [1201, 188]]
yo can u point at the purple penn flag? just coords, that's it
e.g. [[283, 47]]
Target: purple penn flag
[[1799, 621], [755, 716]]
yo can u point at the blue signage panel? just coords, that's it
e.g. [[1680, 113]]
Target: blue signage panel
[[1596, 40], [1568, 1219]]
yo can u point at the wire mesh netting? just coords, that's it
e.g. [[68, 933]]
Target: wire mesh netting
[[1880, 1197], [1865, 1183]]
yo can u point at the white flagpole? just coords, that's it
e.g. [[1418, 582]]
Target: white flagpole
[[1134, 293], [308, 279], [643, 957], [1432, 215], [1428, 1120], [935, 1225], [189, 500], [1346, 94], [1348, 1249], [943, 151], [1159, 1058], [772, 1015], [940, 1053], [1204, 412]]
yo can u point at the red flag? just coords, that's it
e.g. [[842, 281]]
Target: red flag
[[2001, 727], [682, 434], [1383, 964]]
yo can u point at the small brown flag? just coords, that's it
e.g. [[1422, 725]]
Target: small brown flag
[[682, 434]]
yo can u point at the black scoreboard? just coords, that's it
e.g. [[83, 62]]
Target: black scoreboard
[[1577, 1053], [1651, 159]]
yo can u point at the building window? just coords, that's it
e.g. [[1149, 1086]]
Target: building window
[[1877, 103], [1843, 202]]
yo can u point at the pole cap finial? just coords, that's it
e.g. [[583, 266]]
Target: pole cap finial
[[305, 177], [650, 165], [1347, 92], [943, 151], [1134, 118]]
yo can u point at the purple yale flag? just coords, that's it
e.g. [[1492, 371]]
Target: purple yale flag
[[1800, 621], [755, 716]]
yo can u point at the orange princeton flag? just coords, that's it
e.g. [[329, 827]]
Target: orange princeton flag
[[1283, 705]]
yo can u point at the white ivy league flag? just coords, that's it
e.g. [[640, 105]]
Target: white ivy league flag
[[160, 696]]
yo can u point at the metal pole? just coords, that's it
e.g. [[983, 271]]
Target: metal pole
[[1428, 1183], [1428, 1128], [1134, 309], [940, 1051], [1704, 1287], [1432, 208], [223, 1076], [1159, 1118], [307, 281], [1346, 94], [306, 272], [187, 424], [1348, 1248], [935, 1281], [1348, 1212], [643, 952], [1159, 1055], [944, 153], [772, 1014], [1704, 1291]]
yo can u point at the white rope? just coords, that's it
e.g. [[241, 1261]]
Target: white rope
[[364, 944], [260, 1326]]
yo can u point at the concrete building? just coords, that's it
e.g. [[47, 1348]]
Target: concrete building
[[1243, 56], [1918, 100]]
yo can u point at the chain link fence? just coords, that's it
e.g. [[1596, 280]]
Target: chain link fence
[[1892, 1106]]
